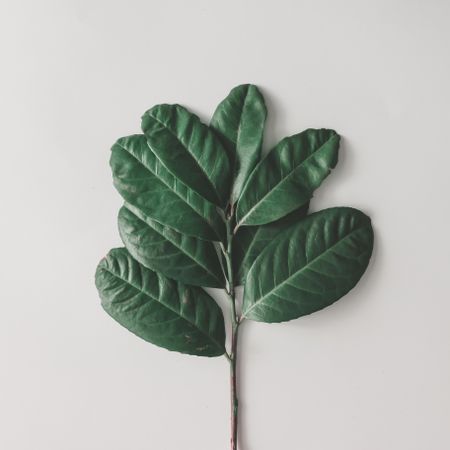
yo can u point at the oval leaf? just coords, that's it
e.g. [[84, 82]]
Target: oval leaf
[[249, 242], [239, 121], [175, 255], [161, 311], [145, 183], [310, 266], [287, 177], [189, 149]]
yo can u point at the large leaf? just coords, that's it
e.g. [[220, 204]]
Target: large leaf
[[249, 242], [239, 121], [144, 182], [190, 150], [309, 267], [287, 177], [175, 255], [157, 309]]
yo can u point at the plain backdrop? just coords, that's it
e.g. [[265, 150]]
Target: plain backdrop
[[371, 372]]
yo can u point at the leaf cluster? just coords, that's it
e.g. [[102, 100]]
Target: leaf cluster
[[203, 208]]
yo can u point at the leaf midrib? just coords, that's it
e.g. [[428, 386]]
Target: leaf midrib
[[179, 247], [171, 189], [211, 184], [256, 303], [177, 313], [282, 180]]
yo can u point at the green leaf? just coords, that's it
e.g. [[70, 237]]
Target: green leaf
[[161, 311], [239, 121], [145, 183], [190, 150], [287, 177], [249, 242], [309, 267], [175, 255]]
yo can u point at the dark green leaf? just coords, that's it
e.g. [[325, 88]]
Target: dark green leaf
[[175, 255], [145, 183], [287, 177], [166, 313], [249, 242], [310, 266], [239, 121], [190, 150]]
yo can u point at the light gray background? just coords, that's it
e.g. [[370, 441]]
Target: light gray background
[[371, 372]]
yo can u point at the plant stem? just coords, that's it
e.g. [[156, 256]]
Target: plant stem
[[233, 388], [234, 337]]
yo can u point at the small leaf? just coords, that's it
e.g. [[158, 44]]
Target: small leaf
[[190, 150], [249, 242], [161, 311], [239, 121], [287, 177], [309, 267], [145, 183], [177, 256]]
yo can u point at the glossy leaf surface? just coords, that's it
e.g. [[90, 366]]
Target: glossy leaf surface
[[159, 310], [250, 242], [239, 121], [287, 177], [145, 183], [175, 255], [310, 266], [190, 150]]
